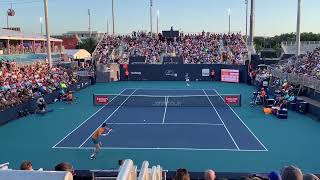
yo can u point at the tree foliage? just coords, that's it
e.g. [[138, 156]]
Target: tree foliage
[[275, 42], [88, 44]]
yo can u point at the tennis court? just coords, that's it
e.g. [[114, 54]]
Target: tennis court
[[190, 133], [169, 119]]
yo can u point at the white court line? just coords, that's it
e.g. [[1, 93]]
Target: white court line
[[168, 89], [165, 109], [243, 122], [108, 118], [221, 120], [200, 124], [86, 120], [177, 149], [162, 96]]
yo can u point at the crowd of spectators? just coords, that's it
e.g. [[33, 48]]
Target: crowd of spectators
[[19, 49], [206, 48], [22, 82], [287, 173], [283, 91], [308, 64]]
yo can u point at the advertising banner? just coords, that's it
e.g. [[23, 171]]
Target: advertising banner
[[230, 75]]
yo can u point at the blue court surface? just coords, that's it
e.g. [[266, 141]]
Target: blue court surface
[[166, 127]]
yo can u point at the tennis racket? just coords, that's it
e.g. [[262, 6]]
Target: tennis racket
[[110, 127]]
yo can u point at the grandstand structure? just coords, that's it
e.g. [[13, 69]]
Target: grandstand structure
[[15, 42], [221, 49], [290, 47]]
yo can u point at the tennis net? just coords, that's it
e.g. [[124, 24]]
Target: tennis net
[[169, 101]]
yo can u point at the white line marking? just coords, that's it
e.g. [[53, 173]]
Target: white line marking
[[165, 109], [162, 96], [168, 89], [178, 149], [108, 117], [200, 124], [85, 121], [243, 123], [221, 120]]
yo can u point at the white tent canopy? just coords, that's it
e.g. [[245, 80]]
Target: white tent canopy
[[78, 54]]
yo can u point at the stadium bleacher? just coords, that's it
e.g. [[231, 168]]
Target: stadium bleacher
[[202, 48], [306, 46]]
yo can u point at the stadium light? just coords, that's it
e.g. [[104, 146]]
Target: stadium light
[[247, 3], [158, 16], [89, 16], [298, 28], [41, 26], [229, 14], [48, 32], [107, 25], [113, 17], [151, 16], [252, 24]]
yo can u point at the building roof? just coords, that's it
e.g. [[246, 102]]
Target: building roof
[[83, 32], [16, 35]]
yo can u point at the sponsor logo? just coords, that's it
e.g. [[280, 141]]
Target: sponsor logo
[[205, 72], [102, 99], [169, 103], [135, 73], [170, 72], [232, 100]]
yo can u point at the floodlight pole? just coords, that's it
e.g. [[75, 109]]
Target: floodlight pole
[[107, 26], [113, 17], [89, 16], [151, 17], [158, 14], [41, 31], [47, 32], [246, 21], [7, 21], [298, 35], [229, 14], [252, 24]]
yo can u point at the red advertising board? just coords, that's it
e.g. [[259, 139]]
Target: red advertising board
[[232, 100], [101, 99], [230, 75]]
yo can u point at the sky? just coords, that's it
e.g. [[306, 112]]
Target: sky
[[272, 16]]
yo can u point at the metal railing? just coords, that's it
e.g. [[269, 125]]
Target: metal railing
[[297, 79], [292, 43]]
